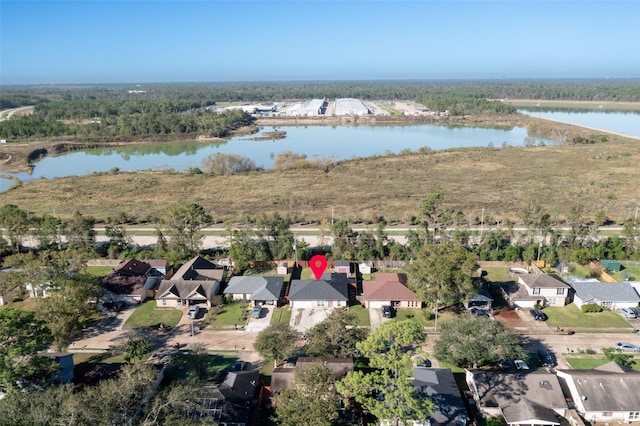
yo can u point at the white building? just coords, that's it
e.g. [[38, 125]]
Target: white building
[[350, 106]]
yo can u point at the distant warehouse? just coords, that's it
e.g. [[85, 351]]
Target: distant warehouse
[[308, 108], [350, 106]]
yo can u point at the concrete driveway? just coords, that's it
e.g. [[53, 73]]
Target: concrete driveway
[[304, 319], [258, 324], [376, 318]]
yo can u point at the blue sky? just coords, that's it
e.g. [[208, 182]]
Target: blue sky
[[213, 41]]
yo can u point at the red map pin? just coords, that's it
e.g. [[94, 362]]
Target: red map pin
[[318, 264]]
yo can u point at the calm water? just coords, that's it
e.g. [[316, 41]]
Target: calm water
[[615, 121], [334, 143]]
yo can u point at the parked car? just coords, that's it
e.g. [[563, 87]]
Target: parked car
[[546, 358], [520, 364], [239, 366], [118, 306], [506, 364], [193, 312], [255, 313], [627, 347], [636, 311], [628, 313], [387, 311], [538, 315]]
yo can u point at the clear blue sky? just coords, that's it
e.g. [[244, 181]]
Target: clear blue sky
[[205, 41]]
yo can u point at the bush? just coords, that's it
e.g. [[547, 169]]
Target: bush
[[591, 308], [590, 351]]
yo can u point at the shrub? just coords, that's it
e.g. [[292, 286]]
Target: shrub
[[592, 307], [590, 351]]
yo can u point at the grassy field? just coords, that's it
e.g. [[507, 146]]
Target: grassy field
[[231, 314], [600, 176], [146, 315], [282, 315], [362, 315], [609, 106], [571, 316], [99, 271]]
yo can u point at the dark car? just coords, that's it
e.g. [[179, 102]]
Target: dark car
[[255, 313], [387, 311], [479, 313], [538, 315], [546, 358]]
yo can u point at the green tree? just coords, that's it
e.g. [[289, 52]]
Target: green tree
[[344, 240], [79, 231], [443, 273], [468, 341], [22, 336], [311, 399], [15, 222], [430, 209], [386, 389], [137, 346], [275, 231], [276, 342], [335, 337], [46, 230], [118, 240], [183, 224]]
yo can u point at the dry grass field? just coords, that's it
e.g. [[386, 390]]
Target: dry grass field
[[601, 176]]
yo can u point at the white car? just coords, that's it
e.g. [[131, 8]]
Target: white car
[[194, 310], [627, 347], [520, 364], [628, 313]]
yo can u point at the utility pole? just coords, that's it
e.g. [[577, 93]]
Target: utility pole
[[482, 225]]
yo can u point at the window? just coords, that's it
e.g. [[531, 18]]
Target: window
[[634, 415], [536, 290], [339, 303], [164, 302], [606, 414], [320, 303], [560, 291]]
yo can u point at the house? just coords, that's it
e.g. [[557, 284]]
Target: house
[[530, 397], [282, 377], [230, 402], [257, 289], [161, 266], [200, 269], [365, 268], [342, 267], [389, 289], [482, 300], [131, 268], [608, 393], [608, 295], [439, 385], [178, 293], [543, 289], [40, 290], [331, 291]]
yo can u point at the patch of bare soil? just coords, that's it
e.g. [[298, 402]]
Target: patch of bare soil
[[508, 317]]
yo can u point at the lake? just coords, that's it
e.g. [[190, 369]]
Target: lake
[[331, 142], [317, 142], [627, 122]]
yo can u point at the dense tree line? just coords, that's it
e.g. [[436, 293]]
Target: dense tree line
[[577, 90], [92, 122]]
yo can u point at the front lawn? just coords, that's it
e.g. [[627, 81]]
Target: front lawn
[[586, 363], [571, 316], [419, 316], [234, 313], [185, 366], [282, 314], [146, 315], [361, 314]]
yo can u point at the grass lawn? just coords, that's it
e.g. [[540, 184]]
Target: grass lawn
[[282, 315], [581, 271], [631, 269], [99, 271], [497, 274], [361, 314], [183, 366], [146, 315], [571, 316], [231, 314], [418, 316], [28, 304], [586, 363]]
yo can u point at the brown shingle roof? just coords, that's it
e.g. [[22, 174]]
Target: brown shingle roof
[[388, 286]]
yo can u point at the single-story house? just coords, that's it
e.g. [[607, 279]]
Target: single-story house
[[482, 300], [131, 268], [439, 385], [389, 289], [545, 289], [159, 265], [200, 269], [608, 393], [608, 295], [257, 289], [282, 377], [40, 290], [342, 267], [331, 291], [178, 293], [525, 397], [229, 402]]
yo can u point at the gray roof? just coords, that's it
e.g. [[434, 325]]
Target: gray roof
[[332, 286], [439, 385], [543, 281], [190, 290], [198, 268], [260, 288], [591, 292], [609, 387], [524, 397]]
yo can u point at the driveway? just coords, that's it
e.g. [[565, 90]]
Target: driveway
[[256, 325], [304, 319], [375, 318]]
